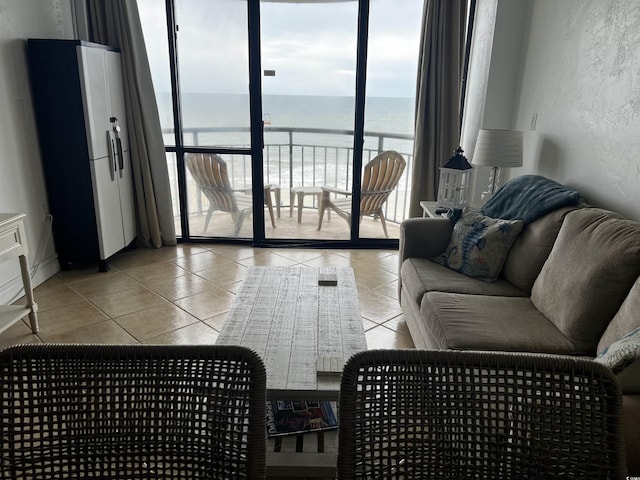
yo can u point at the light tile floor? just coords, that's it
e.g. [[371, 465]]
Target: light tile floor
[[181, 295]]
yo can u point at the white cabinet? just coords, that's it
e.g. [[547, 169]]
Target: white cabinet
[[113, 196], [80, 112], [103, 94]]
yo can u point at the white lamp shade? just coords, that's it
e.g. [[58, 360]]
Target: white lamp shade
[[498, 148]]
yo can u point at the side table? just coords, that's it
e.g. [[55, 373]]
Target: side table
[[430, 209], [300, 192], [13, 243]]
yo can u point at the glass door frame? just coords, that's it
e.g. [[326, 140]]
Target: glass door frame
[[256, 134], [358, 150], [257, 137]]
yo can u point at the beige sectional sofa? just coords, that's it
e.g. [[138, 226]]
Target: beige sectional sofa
[[569, 285]]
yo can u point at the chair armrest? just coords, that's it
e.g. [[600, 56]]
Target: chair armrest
[[336, 190], [424, 237]]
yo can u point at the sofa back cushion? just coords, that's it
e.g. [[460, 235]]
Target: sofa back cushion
[[531, 249], [590, 270]]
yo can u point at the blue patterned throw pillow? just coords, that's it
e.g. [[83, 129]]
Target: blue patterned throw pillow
[[622, 352], [479, 245]]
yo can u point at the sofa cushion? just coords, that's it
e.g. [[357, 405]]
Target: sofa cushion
[[473, 322], [531, 249], [591, 268], [479, 245], [420, 275], [626, 320]]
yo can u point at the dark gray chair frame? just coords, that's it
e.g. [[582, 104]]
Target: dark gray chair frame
[[448, 414], [132, 412]]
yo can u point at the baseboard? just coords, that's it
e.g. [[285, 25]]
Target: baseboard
[[13, 290]]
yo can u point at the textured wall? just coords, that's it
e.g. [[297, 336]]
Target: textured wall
[[22, 186], [581, 75]]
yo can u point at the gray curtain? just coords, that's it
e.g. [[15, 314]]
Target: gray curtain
[[117, 23], [440, 69]]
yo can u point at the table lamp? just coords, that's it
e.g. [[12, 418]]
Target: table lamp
[[497, 149]]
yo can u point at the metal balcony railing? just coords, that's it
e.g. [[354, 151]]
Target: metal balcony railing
[[305, 157]]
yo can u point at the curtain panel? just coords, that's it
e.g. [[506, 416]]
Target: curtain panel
[[117, 23], [439, 86]]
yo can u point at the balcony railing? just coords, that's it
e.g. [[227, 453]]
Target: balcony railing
[[306, 157]]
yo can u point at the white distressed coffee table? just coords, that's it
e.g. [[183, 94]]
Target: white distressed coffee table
[[298, 328]]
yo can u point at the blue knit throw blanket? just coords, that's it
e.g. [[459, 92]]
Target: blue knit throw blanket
[[529, 197]]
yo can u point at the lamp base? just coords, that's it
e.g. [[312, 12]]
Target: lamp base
[[494, 184]]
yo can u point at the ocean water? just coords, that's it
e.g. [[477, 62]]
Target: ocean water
[[201, 110], [292, 157]]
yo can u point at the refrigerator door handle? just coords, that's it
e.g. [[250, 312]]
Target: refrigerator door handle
[[120, 154], [116, 133], [112, 154]]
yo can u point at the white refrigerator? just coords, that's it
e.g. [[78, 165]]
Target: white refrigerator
[[108, 141], [80, 111]]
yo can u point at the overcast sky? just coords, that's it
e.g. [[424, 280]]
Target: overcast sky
[[312, 46]]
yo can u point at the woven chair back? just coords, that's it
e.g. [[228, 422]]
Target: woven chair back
[[461, 415], [132, 412]]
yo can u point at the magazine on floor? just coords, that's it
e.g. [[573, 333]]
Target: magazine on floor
[[291, 417]]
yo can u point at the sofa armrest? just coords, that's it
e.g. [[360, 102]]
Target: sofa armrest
[[424, 237]]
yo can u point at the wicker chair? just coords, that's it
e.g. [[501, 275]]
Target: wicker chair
[[132, 412], [380, 177], [448, 414]]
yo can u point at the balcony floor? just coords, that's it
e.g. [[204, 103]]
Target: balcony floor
[[288, 227]]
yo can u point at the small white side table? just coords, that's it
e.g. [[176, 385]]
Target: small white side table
[[13, 243], [300, 192]]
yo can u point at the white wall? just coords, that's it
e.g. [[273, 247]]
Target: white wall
[[22, 186], [581, 75]]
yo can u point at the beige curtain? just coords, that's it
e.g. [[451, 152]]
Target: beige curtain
[[117, 23], [440, 69]]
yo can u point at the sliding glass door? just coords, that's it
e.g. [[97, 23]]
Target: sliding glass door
[[309, 54], [392, 56], [205, 106], [271, 109]]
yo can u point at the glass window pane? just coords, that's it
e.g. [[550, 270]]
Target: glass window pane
[[309, 52], [213, 49], [392, 59], [154, 26], [219, 195], [172, 168]]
